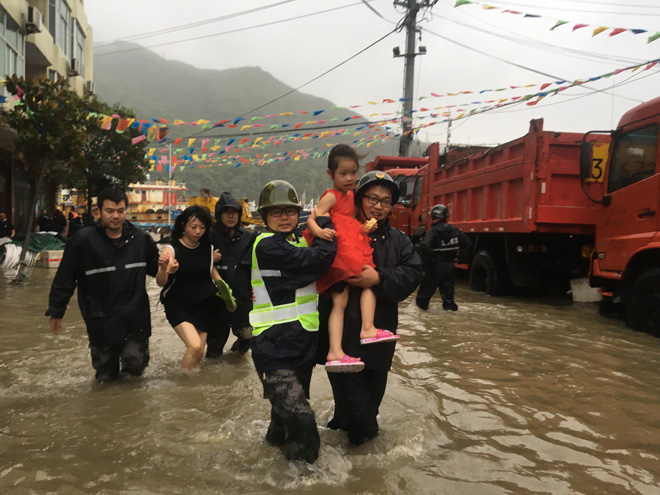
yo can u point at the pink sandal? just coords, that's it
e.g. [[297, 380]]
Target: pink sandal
[[381, 336], [347, 364]]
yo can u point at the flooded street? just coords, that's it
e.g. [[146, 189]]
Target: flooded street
[[505, 396]]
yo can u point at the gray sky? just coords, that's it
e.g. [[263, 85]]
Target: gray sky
[[469, 48]]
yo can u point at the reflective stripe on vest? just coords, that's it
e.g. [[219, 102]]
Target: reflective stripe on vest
[[264, 315]]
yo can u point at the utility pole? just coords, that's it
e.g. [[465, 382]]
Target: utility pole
[[410, 23]]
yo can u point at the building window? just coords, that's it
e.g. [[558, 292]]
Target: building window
[[66, 32], [79, 48], [12, 46]]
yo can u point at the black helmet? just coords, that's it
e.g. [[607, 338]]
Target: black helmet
[[373, 178], [439, 212], [277, 193]]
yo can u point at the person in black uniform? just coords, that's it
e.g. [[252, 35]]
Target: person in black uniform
[[439, 249], [231, 241], [44, 221], [109, 263], [188, 278], [397, 274], [6, 227], [285, 318]]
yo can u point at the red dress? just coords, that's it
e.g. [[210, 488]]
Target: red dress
[[353, 245]]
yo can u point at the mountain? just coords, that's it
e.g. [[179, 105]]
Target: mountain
[[158, 88]]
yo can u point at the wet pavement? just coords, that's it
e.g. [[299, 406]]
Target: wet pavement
[[506, 396]]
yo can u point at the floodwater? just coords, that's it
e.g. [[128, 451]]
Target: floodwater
[[505, 396]]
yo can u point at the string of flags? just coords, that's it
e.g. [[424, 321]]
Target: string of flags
[[157, 128], [535, 98], [613, 31], [211, 159]]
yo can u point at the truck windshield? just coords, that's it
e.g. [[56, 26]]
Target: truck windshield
[[633, 158], [406, 185]]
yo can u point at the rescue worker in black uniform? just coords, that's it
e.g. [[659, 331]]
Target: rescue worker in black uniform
[[232, 242], [397, 274], [109, 262], [284, 318], [439, 249]]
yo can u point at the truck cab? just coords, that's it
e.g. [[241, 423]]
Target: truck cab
[[626, 261]]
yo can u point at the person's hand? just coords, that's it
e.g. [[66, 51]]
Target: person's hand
[[368, 277], [55, 324], [163, 261], [216, 256], [327, 234], [173, 267], [370, 225]]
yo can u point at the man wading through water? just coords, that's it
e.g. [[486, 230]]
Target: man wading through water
[[285, 318], [109, 262]]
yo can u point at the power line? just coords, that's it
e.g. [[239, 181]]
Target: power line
[[310, 81], [229, 32], [520, 66], [539, 45], [192, 24]]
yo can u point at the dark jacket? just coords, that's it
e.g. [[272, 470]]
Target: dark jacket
[[400, 271], [111, 282], [443, 242], [233, 249], [288, 346]]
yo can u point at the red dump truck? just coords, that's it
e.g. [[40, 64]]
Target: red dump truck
[[521, 203], [626, 259], [549, 207]]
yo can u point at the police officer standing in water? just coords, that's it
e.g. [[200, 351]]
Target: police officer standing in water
[[439, 249], [231, 241], [285, 318]]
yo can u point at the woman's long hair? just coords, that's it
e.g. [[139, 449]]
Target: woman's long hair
[[200, 213]]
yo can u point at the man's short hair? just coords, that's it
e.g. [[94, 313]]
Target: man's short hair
[[112, 193]]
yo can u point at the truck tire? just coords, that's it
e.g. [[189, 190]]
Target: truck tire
[[488, 274], [643, 307]]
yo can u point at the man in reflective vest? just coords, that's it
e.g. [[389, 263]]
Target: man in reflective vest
[[285, 321]]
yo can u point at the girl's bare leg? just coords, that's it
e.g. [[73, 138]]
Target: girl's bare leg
[[368, 309], [336, 324]]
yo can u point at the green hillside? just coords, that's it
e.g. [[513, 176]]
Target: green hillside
[[158, 88]]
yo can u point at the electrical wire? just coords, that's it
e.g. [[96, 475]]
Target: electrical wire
[[539, 45], [520, 66], [229, 32], [191, 25], [308, 82]]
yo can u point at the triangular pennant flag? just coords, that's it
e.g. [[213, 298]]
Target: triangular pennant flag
[[599, 30], [559, 23], [579, 26], [461, 2], [617, 31]]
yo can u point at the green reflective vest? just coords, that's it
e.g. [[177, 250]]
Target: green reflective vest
[[264, 315]]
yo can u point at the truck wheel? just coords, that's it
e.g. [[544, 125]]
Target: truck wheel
[[643, 308], [488, 274]]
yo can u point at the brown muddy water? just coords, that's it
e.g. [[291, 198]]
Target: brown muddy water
[[505, 396]]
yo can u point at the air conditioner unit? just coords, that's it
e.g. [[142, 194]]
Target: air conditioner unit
[[73, 68], [89, 87], [34, 21]]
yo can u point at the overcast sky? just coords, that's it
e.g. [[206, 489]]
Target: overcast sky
[[469, 48]]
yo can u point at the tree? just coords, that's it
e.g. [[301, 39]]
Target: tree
[[49, 121], [108, 154]]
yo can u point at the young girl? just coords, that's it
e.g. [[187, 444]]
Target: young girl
[[353, 252], [190, 283]]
